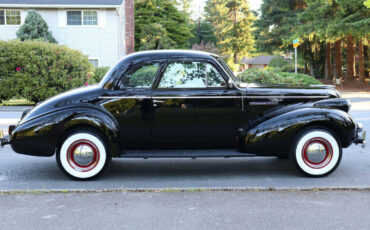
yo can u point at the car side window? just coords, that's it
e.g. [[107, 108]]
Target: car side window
[[214, 78], [191, 75], [140, 77]]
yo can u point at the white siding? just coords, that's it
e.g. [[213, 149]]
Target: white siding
[[102, 41]]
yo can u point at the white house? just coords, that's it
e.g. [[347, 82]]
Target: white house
[[101, 29]]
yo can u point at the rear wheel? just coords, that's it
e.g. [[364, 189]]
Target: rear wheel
[[83, 155], [316, 152]]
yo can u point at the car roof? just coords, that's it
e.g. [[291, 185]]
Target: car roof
[[152, 54]]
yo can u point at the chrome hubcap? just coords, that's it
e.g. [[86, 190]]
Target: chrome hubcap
[[316, 152], [83, 155]]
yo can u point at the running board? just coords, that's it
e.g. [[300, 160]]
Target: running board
[[182, 153]]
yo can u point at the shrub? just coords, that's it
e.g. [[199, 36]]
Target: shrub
[[37, 70], [264, 76], [35, 27], [100, 72], [291, 68], [301, 79], [278, 62]]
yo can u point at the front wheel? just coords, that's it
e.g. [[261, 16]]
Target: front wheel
[[316, 152], [83, 155]]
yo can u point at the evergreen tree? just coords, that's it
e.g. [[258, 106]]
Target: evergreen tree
[[35, 27], [335, 21], [154, 36], [203, 32], [165, 13], [277, 24], [233, 22]]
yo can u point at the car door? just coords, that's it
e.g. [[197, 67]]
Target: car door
[[131, 105], [193, 107]]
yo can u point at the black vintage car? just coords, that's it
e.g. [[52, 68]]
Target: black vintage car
[[186, 104]]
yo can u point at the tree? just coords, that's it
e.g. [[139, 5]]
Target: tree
[[367, 3], [35, 27], [233, 22], [203, 32], [166, 14], [276, 24], [335, 21], [351, 21], [154, 36], [186, 6]]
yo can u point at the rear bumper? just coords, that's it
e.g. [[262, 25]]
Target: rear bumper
[[360, 135], [4, 140]]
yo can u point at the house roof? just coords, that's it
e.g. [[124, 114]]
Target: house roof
[[54, 3], [260, 60]]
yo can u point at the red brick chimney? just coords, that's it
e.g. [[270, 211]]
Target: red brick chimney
[[130, 26]]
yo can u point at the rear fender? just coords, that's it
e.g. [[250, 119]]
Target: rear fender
[[274, 135]]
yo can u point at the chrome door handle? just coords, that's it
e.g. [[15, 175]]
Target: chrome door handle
[[158, 101]]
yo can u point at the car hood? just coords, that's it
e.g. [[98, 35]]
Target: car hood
[[76, 96]]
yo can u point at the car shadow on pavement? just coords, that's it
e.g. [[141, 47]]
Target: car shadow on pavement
[[187, 168]]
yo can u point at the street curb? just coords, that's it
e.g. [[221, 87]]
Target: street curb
[[179, 190]]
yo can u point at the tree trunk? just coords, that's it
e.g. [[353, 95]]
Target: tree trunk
[[350, 55], [354, 59], [306, 70], [312, 69], [338, 59], [236, 61], [328, 66], [361, 61]]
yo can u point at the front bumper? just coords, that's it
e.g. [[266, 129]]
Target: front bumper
[[360, 135]]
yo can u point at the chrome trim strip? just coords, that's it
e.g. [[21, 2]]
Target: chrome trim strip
[[197, 97], [212, 97], [124, 97], [285, 97]]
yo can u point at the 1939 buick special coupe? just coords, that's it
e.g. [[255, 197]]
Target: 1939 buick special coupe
[[186, 104]]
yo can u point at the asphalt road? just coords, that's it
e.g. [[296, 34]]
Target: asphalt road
[[19, 172]]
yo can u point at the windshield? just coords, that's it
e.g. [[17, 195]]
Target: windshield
[[226, 68]]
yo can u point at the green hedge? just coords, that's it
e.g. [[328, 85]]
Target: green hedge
[[99, 73], [37, 70], [266, 76], [291, 68], [278, 62]]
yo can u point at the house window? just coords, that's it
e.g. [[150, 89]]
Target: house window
[[10, 17], [94, 61], [84, 17], [90, 18]]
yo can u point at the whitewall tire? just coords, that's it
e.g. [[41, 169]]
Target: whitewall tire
[[316, 152], [83, 155]]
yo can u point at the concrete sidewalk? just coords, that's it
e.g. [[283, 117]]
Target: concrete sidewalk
[[187, 210]]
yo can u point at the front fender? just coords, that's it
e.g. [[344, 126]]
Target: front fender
[[42, 135], [274, 135]]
